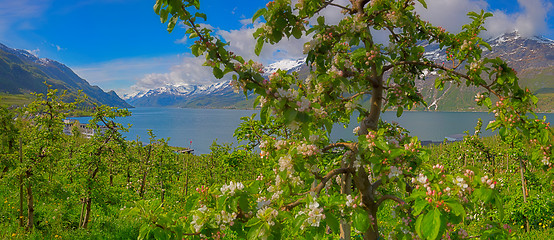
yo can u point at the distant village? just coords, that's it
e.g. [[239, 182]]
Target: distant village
[[83, 128]]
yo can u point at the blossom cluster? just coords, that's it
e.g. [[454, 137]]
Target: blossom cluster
[[394, 172], [267, 214], [225, 218], [486, 180], [199, 218], [308, 149], [314, 213], [231, 188]]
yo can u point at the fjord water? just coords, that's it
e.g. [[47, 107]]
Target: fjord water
[[198, 128]]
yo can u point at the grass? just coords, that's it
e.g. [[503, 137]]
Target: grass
[[15, 99]]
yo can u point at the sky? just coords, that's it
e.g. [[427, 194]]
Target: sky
[[121, 45]]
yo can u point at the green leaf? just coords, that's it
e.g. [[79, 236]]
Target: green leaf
[[499, 205], [431, 224], [399, 111], [418, 226], [296, 32], [217, 73], [172, 23], [243, 202], [252, 222], [144, 231], [455, 207], [419, 206], [328, 126], [423, 3], [381, 144], [194, 50], [264, 114], [290, 115], [321, 20], [258, 14], [503, 132], [254, 231], [534, 99], [201, 15], [488, 102], [544, 137], [332, 222], [191, 202], [500, 80], [360, 220], [259, 45]]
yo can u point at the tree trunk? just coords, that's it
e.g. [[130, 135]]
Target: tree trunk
[[372, 233], [345, 188], [30, 202], [143, 182], [87, 203], [371, 121], [186, 178], [82, 212], [523, 189]]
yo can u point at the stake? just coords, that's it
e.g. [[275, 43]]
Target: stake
[[20, 184]]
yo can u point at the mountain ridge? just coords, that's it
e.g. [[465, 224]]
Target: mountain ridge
[[532, 57], [22, 72], [217, 95]]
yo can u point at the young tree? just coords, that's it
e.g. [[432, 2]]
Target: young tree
[[41, 126], [311, 192], [93, 157]]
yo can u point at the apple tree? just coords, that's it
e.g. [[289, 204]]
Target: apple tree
[[319, 188]]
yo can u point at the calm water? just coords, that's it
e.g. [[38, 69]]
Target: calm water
[[198, 128]]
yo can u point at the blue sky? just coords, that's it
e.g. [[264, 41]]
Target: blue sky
[[121, 44]]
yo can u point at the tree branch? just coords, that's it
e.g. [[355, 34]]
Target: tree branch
[[437, 66], [317, 189], [390, 197], [350, 146]]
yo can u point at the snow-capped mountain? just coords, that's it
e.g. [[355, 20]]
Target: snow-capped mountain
[[522, 52], [287, 65], [183, 95], [532, 57]]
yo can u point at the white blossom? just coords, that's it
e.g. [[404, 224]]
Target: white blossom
[[461, 183], [267, 214], [315, 214], [231, 188], [285, 163], [224, 218], [394, 172], [422, 178], [303, 104]]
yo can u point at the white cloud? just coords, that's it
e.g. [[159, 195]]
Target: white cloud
[[451, 14], [242, 43], [118, 74], [189, 71], [532, 20]]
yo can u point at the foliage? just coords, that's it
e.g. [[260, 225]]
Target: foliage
[[312, 192]]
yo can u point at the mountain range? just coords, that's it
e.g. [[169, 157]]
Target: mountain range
[[22, 72], [531, 57], [218, 95]]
